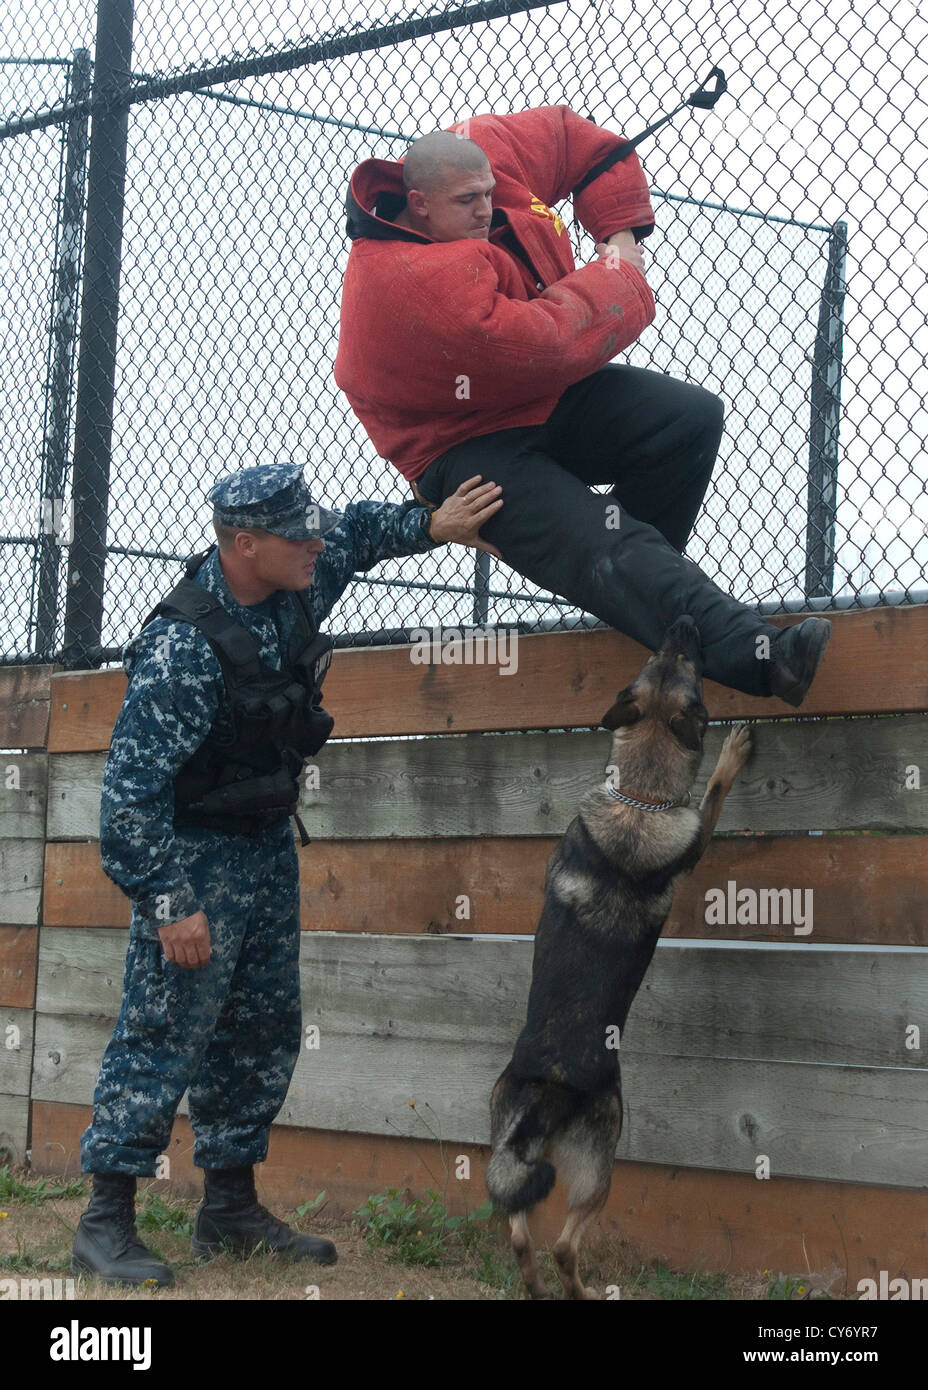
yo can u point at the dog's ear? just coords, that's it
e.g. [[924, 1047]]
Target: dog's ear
[[689, 726], [625, 710]]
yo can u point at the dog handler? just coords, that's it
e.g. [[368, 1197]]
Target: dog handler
[[223, 704], [469, 343]]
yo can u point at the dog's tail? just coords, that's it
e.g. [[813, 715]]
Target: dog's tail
[[517, 1175]]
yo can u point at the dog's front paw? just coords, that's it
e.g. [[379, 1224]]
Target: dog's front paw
[[735, 751]]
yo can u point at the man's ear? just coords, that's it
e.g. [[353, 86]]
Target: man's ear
[[625, 710], [689, 726], [416, 202]]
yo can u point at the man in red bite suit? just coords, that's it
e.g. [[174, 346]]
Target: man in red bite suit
[[470, 343]]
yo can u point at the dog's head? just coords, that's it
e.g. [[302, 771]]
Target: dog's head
[[667, 694]]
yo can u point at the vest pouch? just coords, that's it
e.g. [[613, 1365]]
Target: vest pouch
[[313, 662], [270, 719], [317, 725], [276, 792]]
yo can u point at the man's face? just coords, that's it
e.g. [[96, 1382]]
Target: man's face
[[282, 563], [461, 208]]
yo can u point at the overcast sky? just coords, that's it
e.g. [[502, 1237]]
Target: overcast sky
[[235, 248]]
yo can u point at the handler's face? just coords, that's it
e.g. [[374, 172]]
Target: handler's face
[[462, 208], [285, 564]]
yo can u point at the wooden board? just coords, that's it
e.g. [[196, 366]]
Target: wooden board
[[730, 1052], [838, 1233], [14, 1126], [77, 893], [21, 864], [23, 779], [877, 661], [868, 888], [19, 948], [24, 702], [828, 775], [15, 1051]]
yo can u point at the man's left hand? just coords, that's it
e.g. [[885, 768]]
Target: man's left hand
[[460, 516]]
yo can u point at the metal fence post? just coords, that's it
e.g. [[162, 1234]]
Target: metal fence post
[[96, 367], [481, 587], [63, 333], [821, 503]]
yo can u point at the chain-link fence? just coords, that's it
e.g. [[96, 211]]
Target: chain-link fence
[[197, 163]]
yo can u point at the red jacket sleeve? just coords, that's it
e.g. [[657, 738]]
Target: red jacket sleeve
[[440, 313], [550, 149]]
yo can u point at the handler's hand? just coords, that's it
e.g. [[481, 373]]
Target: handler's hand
[[621, 246], [460, 516], [186, 943]]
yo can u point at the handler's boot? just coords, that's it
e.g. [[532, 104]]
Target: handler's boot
[[106, 1242], [230, 1218], [795, 657]]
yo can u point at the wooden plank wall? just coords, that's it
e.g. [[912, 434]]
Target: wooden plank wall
[[747, 1039], [25, 693]]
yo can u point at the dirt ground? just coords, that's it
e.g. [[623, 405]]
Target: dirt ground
[[36, 1239]]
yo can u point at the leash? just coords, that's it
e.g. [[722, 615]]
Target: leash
[[701, 98], [646, 805]]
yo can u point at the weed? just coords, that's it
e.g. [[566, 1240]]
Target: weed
[[784, 1289], [36, 1190], [311, 1208], [154, 1214], [418, 1231]]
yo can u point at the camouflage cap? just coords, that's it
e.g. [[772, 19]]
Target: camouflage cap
[[274, 497]]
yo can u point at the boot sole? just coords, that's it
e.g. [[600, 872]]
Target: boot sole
[[797, 692], [78, 1267], [203, 1251]]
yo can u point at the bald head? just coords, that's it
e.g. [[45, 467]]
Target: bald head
[[435, 159], [449, 188]]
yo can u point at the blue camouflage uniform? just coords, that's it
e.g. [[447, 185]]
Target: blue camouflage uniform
[[229, 1030]]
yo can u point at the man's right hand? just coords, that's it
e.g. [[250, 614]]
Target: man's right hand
[[621, 246], [186, 943]]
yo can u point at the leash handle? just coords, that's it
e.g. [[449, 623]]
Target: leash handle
[[702, 98]]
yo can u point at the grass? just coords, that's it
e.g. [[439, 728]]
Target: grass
[[441, 1256]]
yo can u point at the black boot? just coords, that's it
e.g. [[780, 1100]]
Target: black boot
[[106, 1242], [795, 658], [230, 1218]]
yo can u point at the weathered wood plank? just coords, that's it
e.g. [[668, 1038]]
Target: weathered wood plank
[[81, 971], [24, 701], [850, 1123], [14, 1126], [805, 1046], [84, 706], [68, 1052], [77, 893], [802, 776], [689, 1219], [847, 1007], [868, 889], [829, 775], [75, 782], [20, 881], [23, 782], [15, 1051], [877, 661], [19, 950]]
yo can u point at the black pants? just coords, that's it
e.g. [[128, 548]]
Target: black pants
[[654, 440]]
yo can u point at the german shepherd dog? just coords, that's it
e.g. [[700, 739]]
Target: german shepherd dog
[[608, 891]]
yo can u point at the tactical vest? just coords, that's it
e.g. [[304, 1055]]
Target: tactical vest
[[250, 778]]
